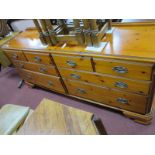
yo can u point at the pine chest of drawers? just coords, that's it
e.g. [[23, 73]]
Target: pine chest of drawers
[[120, 77]]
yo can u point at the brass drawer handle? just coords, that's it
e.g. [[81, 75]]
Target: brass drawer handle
[[14, 56], [37, 59], [81, 91], [71, 63], [50, 83], [122, 100], [121, 85], [75, 76], [44, 70], [120, 69]]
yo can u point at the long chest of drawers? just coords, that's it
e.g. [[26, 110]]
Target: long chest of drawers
[[121, 82]]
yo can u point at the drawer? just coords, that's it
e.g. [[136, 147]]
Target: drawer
[[15, 55], [111, 97], [47, 81], [40, 58], [76, 62], [51, 82], [125, 84], [26, 75], [45, 69], [128, 69]]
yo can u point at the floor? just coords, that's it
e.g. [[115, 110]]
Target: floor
[[115, 123]]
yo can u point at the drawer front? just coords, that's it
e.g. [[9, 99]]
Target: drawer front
[[119, 99], [39, 58], [15, 55], [47, 81], [76, 62], [135, 86], [45, 69], [140, 71], [50, 82], [26, 75]]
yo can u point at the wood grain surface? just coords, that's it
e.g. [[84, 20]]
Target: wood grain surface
[[107, 80], [48, 81], [39, 58], [141, 71], [45, 69], [15, 55], [130, 42], [75, 62], [56, 119], [135, 103], [120, 76]]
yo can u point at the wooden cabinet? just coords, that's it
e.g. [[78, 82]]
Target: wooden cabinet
[[120, 77]]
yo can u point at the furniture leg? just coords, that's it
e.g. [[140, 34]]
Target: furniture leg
[[142, 119], [31, 85]]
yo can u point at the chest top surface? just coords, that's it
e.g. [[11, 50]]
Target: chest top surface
[[127, 41], [4, 40]]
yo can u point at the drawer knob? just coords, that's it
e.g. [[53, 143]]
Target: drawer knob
[[14, 56], [120, 69], [122, 100], [121, 85], [75, 76], [71, 63], [37, 59], [43, 70], [50, 83], [81, 91]]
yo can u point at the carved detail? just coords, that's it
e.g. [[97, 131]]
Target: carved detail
[[139, 118]]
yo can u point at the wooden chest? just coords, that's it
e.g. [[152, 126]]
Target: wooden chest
[[120, 77]]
